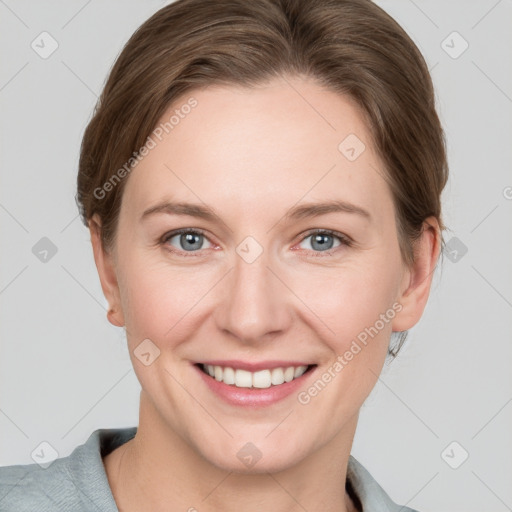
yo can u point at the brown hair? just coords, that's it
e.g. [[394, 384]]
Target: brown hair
[[350, 46]]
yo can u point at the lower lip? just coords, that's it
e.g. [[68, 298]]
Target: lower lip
[[253, 397]]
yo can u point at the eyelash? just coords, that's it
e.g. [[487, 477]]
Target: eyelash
[[344, 240]]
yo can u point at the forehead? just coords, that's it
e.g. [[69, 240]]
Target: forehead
[[275, 143]]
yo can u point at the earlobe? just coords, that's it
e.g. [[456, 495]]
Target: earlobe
[[113, 318], [107, 273], [418, 278]]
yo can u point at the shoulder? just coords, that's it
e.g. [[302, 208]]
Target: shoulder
[[31, 487], [372, 497], [77, 482]]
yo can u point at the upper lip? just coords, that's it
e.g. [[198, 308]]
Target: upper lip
[[251, 366]]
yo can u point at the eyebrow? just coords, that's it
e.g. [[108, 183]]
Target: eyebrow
[[302, 211]]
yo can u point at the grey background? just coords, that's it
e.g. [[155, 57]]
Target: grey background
[[65, 371]]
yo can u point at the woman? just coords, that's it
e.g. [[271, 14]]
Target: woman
[[262, 184]]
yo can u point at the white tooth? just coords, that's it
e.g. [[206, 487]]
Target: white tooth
[[218, 373], [261, 379], [299, 371], [277, 376], [288, 374], [243, 379], [229, 376]]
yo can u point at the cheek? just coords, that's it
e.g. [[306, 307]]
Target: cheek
[[350, 299], [356, 304], [159, 299]]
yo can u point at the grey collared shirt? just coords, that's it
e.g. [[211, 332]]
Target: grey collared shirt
[[78, 482]]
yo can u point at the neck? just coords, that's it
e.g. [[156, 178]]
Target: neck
[[158, 470]]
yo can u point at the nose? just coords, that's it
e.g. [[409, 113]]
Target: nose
[[256, 305]]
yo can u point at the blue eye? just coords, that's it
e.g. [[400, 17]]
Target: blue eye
[[322, 240], [188, 240]]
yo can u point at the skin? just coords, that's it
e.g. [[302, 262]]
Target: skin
[[251, 154]]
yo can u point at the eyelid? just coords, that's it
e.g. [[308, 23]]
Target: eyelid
[[331, 232], [174, 232]]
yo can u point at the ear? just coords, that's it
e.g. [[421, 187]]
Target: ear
[[415, 286], [107, 273]]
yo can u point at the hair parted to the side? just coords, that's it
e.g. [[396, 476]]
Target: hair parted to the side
[[349, 46]]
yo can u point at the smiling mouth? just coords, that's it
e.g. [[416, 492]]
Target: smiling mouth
[[260, 379]]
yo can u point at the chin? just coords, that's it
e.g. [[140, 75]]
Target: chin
[[260, 467], [260, 457]]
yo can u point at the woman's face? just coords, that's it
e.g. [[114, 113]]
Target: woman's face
[[251, 286]]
